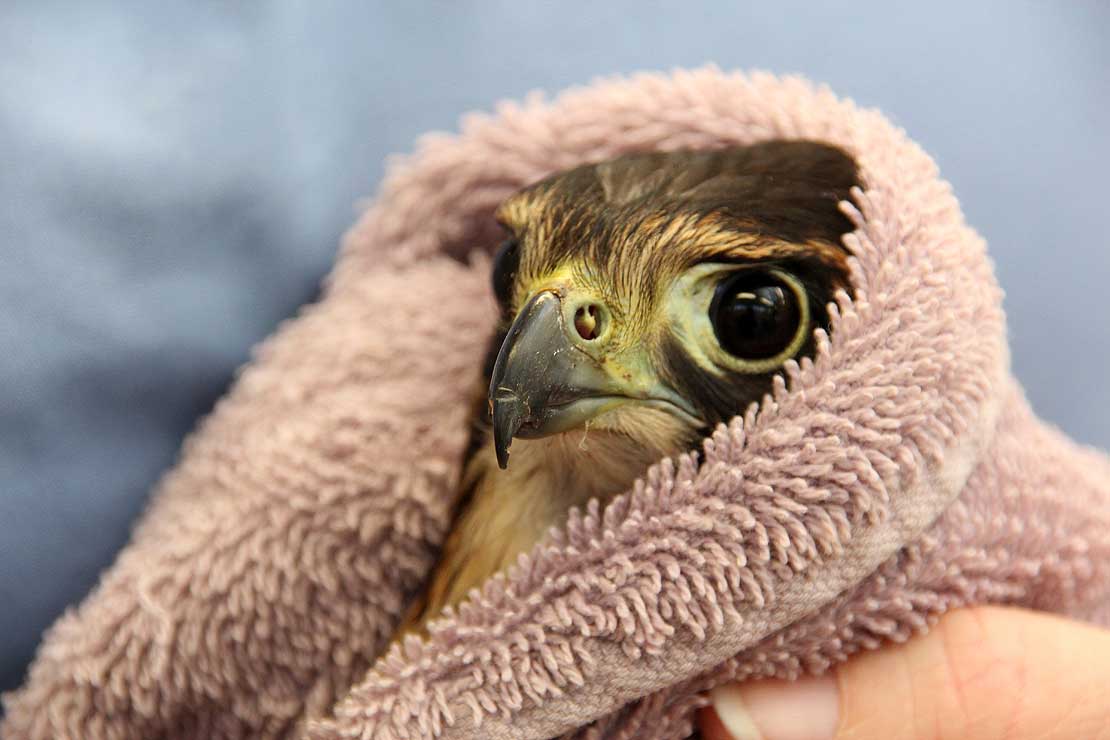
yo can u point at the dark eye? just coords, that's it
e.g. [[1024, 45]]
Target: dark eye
[[505, 263], [756, 315]]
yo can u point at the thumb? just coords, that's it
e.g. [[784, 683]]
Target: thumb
[[978, 674]]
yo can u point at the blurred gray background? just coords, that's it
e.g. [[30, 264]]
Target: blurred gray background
[[174, 181]]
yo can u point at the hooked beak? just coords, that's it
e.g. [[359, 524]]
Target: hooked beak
[[545, 380]]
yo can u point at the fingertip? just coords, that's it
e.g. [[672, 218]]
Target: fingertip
[[710, 726], [807, 709]]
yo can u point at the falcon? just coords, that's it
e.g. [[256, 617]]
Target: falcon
[[646, 300]]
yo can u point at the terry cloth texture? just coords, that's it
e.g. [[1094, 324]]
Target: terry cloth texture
[[898, 474]]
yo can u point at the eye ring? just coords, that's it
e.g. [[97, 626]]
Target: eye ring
[[760, 318]]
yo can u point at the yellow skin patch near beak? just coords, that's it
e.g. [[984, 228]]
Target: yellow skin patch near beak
[[620, 336]]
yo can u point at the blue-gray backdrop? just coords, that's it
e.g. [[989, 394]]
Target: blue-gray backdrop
[[174, 180]]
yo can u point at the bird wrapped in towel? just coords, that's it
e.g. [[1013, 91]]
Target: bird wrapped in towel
[[879, 465], [646, 299]]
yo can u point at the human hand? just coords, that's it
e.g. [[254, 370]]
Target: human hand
[[979, 674]]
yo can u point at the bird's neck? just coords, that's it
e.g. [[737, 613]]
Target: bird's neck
[[503, 513], [511, 510]]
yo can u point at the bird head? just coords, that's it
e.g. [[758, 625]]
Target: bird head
[[656, 295]]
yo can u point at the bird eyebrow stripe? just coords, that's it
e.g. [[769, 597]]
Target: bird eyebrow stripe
[[819, 250]]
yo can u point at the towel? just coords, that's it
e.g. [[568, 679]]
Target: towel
[[897, 474]]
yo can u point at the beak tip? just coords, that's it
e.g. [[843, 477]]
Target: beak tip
[[507, 415], [502, 438]]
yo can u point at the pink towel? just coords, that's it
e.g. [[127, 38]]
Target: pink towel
[[898, 474]]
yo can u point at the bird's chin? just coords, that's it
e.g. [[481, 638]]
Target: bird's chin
[[618, 414], [653, 427]]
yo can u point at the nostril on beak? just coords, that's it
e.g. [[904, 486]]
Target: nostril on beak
[[587, 321]]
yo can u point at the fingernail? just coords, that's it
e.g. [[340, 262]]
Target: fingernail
[[807, 709]]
